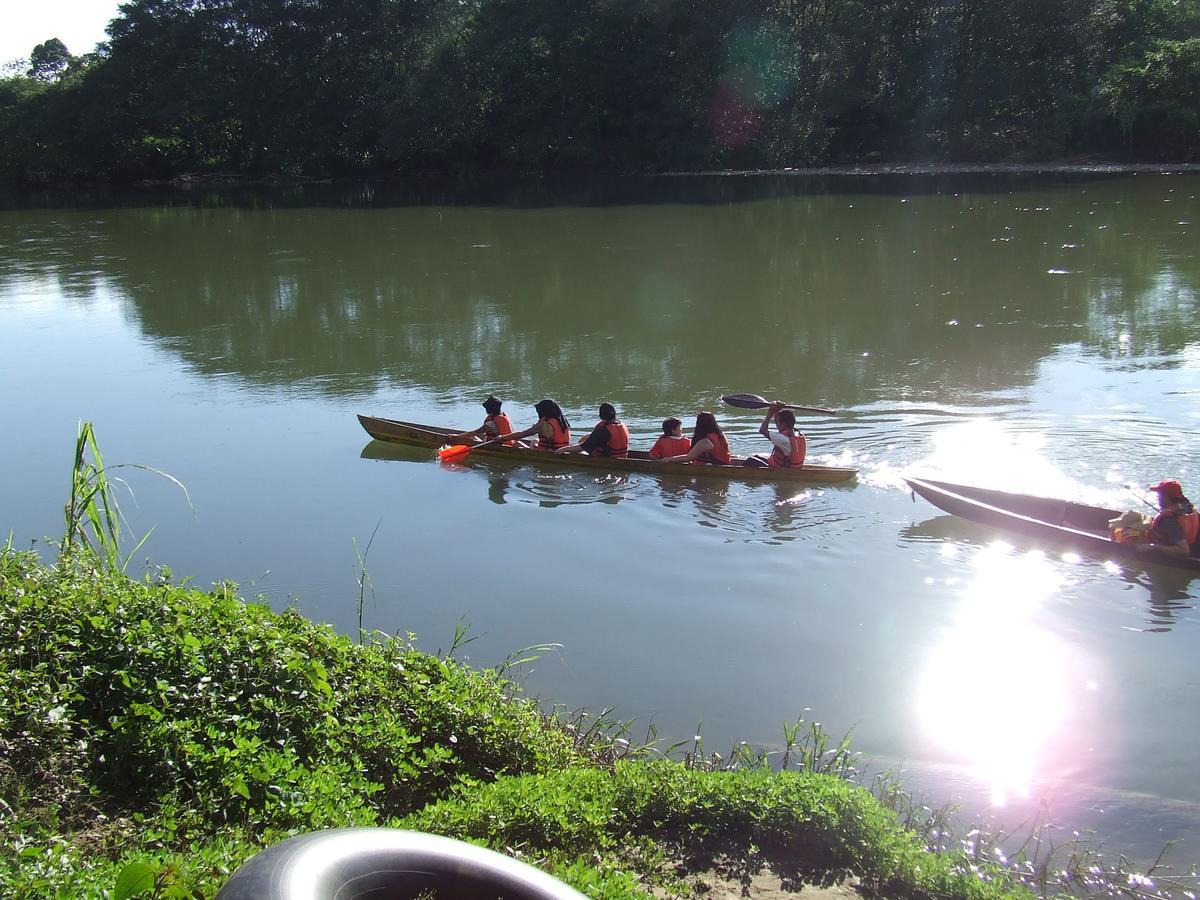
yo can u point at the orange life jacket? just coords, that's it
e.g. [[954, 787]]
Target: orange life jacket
[[719, 454], [1189, 523], [669, 445], [503, 424], [558, 436], [618, 440], [795, 459], [1123, 534]]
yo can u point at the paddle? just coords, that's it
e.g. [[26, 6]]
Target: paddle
[[458, 451], [753, 401], [1140, 496]]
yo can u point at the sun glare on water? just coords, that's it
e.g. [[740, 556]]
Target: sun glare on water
[[996, 693], [985, 452]]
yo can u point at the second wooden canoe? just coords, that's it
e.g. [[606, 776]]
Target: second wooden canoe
[[1077, 525]]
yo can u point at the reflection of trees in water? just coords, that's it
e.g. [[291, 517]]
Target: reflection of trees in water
[[842, 294]]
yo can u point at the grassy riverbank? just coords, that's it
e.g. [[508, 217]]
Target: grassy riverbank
[[154, 731]]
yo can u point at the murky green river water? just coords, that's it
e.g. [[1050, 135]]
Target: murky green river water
[[1034, 334]]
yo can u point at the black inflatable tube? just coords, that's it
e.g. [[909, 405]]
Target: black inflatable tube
[[386, 863]]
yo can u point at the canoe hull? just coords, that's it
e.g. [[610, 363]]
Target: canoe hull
[[413, 434], [1077, 525]]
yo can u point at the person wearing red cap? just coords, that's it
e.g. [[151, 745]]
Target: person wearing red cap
[[1176, 528]]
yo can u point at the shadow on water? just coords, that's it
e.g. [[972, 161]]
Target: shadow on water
[[1167, 588], [696, 188]]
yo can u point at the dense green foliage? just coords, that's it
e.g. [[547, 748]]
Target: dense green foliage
[[270, 87], [818, 826], [157, 732]]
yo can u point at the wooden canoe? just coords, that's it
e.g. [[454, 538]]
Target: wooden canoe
[[431, 436], [1077, 525]]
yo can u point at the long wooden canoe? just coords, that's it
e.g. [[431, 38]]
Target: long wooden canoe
[[1076, 525], [431, 436]]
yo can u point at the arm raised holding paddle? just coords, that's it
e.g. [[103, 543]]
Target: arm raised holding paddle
[[790, 446]]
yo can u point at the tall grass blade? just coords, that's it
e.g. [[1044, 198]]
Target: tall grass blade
[[363, 578], [93, 517]]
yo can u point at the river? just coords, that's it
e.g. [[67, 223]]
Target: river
[[1032, 333]]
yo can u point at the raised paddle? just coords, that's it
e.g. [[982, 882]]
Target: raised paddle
[[753, 401], [458, 451]]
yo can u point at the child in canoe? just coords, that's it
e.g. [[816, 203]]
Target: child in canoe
[[672, 442], [708, 443]]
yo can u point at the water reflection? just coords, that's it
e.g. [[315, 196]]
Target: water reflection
[[1167, 589], [498, 486], [1167, 592], [999, 693], [943, 299], [772, 513], [514, 480]]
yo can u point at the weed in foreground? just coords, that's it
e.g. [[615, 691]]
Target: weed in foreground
[[93, 514]]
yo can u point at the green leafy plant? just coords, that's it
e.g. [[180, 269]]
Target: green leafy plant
[[93, 514]]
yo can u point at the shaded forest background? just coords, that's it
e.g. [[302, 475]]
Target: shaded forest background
[[329, 88]]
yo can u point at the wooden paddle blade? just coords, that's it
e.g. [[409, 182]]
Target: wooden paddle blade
[[754, 401], [458, 451], [746, 401]]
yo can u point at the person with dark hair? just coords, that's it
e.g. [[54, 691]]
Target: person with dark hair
[[495, 424], [790, 447], [1176, 528], [610, 437], [708, 443], [552, 428], [672, 441]]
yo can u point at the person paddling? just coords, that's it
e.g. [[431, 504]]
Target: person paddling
[[790, 447], [708, 443], [495, 424], [672, 442], [552, 428], [609, 438], [1176, 528]]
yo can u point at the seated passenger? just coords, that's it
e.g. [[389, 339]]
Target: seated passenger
[[672, 441], [708, 443], [610, 437], [1176, 528], [790, 447], [1128, 528], [552, 428], [495, 424]]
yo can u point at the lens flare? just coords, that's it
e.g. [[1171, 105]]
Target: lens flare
[[998, 692]]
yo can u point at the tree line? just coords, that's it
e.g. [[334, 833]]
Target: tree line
[[382, 87]]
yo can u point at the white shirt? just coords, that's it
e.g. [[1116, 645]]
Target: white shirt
[[782, 441]]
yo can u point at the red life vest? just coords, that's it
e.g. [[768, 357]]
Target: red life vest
[[502, 422], [557, 435], [618, 440], [1189, 523], [669, 445], [793, 460], [719, 454]]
